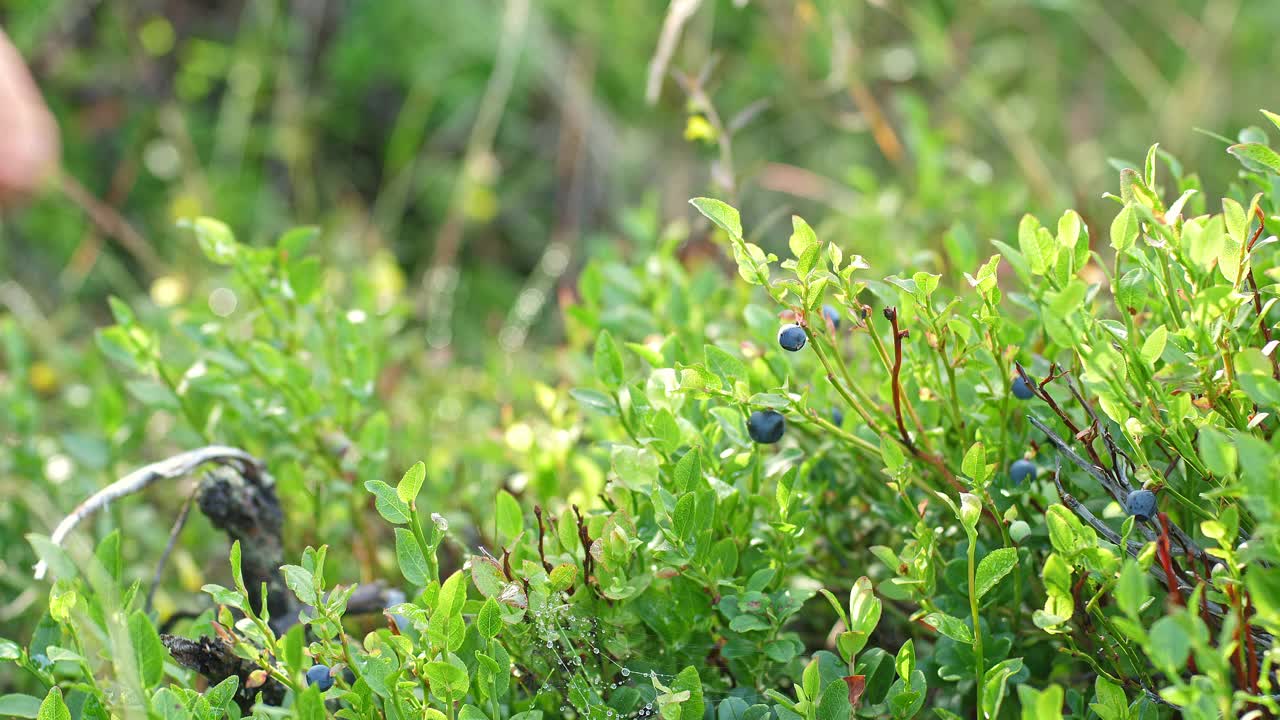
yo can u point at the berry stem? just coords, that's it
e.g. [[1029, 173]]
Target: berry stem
[[980, 672]]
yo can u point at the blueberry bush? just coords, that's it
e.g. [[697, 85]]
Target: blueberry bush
[[1041, 485]]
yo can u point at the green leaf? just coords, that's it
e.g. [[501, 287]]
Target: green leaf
[[1041, 704], [753, 263], [54, 556], [834, 703], [722, 214], [951, 627], [225, 596], [410, 558], [148, 651], [1132, 290], [732, 708], [1169, 645], [23, 706], [1068, 536], [688, 681], [975, 463], [1256, 157], [682, 518], [595, 400], [1124, 229], [970, 510], [562, 577], [216, 240], [1153, 347], [489, 620], [53, 707], [487, 576], [636, 469], [926, 283], [389, 505], [688, 471], [294, 241], [1069, 229], [607, 360], [1109, 702], [1217, 451], [1038, 248], [411, 483], [994, 567], [724, 364], [891, 454], [309, 705], [802, 237], [807, 262], [121, 311], [864, 615], [1131, 588], [9, 650], [302, 582], [1274, 118], [448, 681], [509, 517], [993, 689], [905, 661], [452, 596]]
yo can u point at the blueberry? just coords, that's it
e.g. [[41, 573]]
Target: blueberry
[[1141, 504], [319, 676], [766, 426], [792, 337], [831, 314], [1021, 389], [837, 417], [1022, 470]]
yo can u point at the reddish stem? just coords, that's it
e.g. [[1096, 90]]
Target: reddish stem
[[537, 512], [1162, 549]]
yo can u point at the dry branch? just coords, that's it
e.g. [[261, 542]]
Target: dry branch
[[172, 468]]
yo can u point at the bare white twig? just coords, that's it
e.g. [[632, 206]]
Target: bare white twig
[[168, 469], [677, 15]]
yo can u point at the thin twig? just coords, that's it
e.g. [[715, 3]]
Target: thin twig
[[1159, 571], [111, 223], [178, 524], [542, 554], [1257, 300], [678, 13], [891, 313]]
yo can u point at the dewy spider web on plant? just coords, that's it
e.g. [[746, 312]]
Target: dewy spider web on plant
[[588, 678], [562, 640]]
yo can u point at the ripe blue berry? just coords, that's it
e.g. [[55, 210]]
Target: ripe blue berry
[[319, 676], [1021, 470], [1141, 504], [831, 314], [1021, 389], [837, 417], [766, 426], [792, 337]]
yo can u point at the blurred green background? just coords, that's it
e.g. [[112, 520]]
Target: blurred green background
[[464, 159], [471, 135]]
